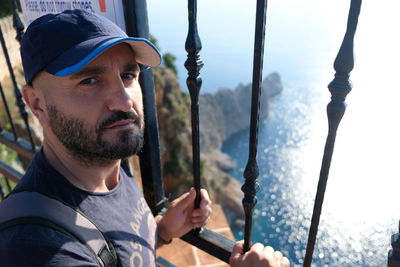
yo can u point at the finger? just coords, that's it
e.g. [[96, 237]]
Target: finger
[[257, 247], [205, 199], [199, 225], [269, 252], [186, 199], [202, 212], [278, 255], [237, 249], [285, 262], [200, 222]]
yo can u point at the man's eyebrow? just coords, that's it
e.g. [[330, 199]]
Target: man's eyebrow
[[132, 67], [89, 71]]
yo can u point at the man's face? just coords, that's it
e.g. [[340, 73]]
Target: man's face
[[97, 113]]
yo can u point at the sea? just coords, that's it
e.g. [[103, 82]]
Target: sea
[[360, 213]]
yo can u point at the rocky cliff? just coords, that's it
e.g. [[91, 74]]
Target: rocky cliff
[[221, 115], [228, 111]]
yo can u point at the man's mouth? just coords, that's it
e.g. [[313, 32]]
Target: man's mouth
[[120, 125]]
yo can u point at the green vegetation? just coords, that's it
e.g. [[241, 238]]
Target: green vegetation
[[154, 41], [202, 166], [7, 155], [176, 165], [168, 58], [169, 61], [10, 157], [5, 8]]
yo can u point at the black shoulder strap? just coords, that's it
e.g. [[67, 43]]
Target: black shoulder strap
[[32, 207]]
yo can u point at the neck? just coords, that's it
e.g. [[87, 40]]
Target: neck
[[92, 178]]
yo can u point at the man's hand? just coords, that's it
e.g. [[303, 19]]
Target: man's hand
[[181, 216], [258, 255]]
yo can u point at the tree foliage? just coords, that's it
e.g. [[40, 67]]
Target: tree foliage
[[5, 8], [169, 61]]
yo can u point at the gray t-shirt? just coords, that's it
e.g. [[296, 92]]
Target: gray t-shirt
[[122, 214]]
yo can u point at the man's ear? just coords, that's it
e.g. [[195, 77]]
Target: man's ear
[[34, 98]]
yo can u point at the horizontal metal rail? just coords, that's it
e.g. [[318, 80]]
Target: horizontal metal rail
[[9, 172], [211, 242], [21, 146]]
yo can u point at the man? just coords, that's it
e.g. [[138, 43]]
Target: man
[[82, 85]]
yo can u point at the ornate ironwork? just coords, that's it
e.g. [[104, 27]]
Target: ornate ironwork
[[8, 185], [17, 22], [193, 64], [339, 88], [2, 195], [250, 186], [3, 97], [17, 93], [394, 253]]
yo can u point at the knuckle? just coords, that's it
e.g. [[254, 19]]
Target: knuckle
[[278, 254], [285, 262]]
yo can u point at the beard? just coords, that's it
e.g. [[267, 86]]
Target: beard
[[88, 145]]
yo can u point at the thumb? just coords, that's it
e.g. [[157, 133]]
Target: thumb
[[186, 199], [237, 251]]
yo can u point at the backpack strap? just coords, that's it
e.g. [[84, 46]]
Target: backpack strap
[[35, 208]]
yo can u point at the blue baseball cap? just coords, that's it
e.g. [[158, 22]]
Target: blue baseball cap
[[62, 44]]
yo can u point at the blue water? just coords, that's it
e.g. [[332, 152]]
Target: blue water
[[289, 156], [360, 210]]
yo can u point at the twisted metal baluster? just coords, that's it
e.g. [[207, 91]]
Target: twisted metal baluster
[[250, 186], [19, 27], [193, 64], [17, 22], [8, 185], [339, 88], [2, 194], [394, 253], [3, 97]]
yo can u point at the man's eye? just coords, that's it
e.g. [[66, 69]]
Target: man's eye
[[88, 81], [128, 76]]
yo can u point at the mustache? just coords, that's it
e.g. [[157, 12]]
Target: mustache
[[118, 116]]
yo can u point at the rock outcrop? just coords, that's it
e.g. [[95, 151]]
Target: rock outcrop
[[227, 112], [221, 115]]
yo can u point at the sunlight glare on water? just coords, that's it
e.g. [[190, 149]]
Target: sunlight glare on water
[[360, 211]]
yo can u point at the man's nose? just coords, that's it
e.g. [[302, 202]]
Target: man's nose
[[119, 98]]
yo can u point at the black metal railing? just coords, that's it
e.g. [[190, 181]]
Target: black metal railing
[[8, 132], [194, 64], [137, 24], [339, 88], [250, 186], [394, 253]]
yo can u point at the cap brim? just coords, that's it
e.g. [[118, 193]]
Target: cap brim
[[145, 54]]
